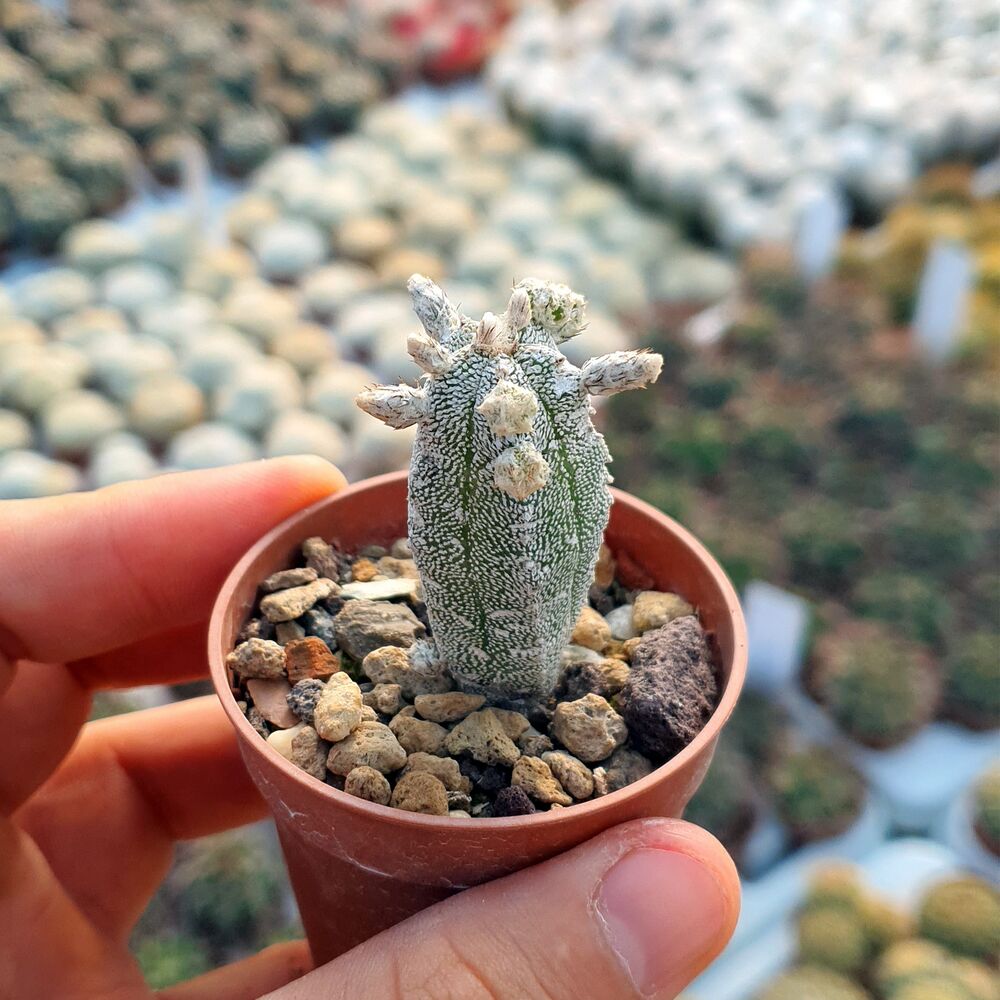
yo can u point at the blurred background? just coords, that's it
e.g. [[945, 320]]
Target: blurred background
[[208, 211]]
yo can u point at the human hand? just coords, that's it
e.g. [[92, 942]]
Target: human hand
[[113, 589]]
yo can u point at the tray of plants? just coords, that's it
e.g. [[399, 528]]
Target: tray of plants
[[906, 923], [415, 688]]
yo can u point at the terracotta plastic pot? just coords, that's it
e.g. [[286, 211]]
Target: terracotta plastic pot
[[358, 868]]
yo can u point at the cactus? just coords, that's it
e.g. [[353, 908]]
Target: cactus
[[834, 938], [810, 982], [816, 794], [963, 915], [972, 681], [918, 607], [508, 492], [724, 804], [987, 809], [906, 961]]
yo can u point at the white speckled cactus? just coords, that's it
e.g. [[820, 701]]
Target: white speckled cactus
[[508, 496]]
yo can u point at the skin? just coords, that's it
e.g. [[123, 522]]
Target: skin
[[113, 589]]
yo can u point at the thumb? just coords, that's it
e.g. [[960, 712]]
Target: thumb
[[638, 911]]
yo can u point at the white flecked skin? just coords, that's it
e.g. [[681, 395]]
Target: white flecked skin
[[508, 491]]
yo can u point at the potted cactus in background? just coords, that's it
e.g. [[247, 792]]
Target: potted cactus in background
[[511, 672]]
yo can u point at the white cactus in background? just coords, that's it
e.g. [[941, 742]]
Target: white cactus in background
[[508, 496]]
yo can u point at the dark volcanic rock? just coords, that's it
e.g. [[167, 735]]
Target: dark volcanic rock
[[512, 801], [671, 689]]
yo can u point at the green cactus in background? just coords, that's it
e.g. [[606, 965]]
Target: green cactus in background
[[810, 982], [920, 608], [972, 681], [508, 496], [833, 937], [963, 914], [168, 960], [816, 794], [724, 804], [987, 809]]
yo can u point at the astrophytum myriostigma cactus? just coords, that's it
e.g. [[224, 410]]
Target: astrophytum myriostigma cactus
[[508, 494]]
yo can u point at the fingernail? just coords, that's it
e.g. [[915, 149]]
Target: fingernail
[[662, 912]]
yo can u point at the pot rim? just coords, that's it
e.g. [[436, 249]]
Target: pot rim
[[402, 818]]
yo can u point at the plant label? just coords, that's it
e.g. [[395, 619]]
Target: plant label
[[776, 625], [942, 299], [821, 228]]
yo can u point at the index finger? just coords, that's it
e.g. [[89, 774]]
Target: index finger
[[90, 572]]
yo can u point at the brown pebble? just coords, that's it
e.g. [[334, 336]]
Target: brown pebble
[[655, 608], [309, 657], [384, 698], [286, 632], [371, 744], [322, 557], [285, 605], [588, 727], [448, 707], [591, 630], [398, 568], [481, 735], [629, 646], [366, 783], [338, 711], [418, 736], [257, 721], [571, 773], [286, 578], [536, 778], [420, 792], [270, 699], [260, 658], [364, 570], [514, 724], [445, 769], [604, 571]]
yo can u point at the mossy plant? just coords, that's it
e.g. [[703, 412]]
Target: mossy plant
[[918, 607], [878, 687], [825, 544], [508, 496], [724, 803], [934, 533]]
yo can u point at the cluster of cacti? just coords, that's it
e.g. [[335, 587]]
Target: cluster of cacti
[[743, 169], [851, 940], [60, 161], [508, 496], [986, 809], [972, 680]]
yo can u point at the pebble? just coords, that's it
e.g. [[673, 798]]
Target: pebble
[[445, 769], [604, 571], [309, 657], [459, 800], [364, 625], [257, 628], [418, 736], [420, 792], [481, 735], [630, 646], [319, 622], [671, 689], [303, 697], [401, 549], [654, 609], [338, 711], [606, 678], [459, 814], [286, 578], [591, 630], [448, 707], [620, 622], [368, 714], [366, 783], [288, 604], [257, 658], [286, 632], [514, 724], [270, 698], [371, 744], [533, 743], [588, 727], [398, 569], [380, 590], [513, 801], [571, 773], [364, 570], [385, 698], [536, 778], [303, 747], [623, 767], [393, 665], [257, 721], [321, 557], [578, 654]]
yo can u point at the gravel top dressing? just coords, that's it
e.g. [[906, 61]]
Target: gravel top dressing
[[338, 671]]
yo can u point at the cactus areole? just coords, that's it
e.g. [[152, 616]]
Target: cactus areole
[[508, 486]]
